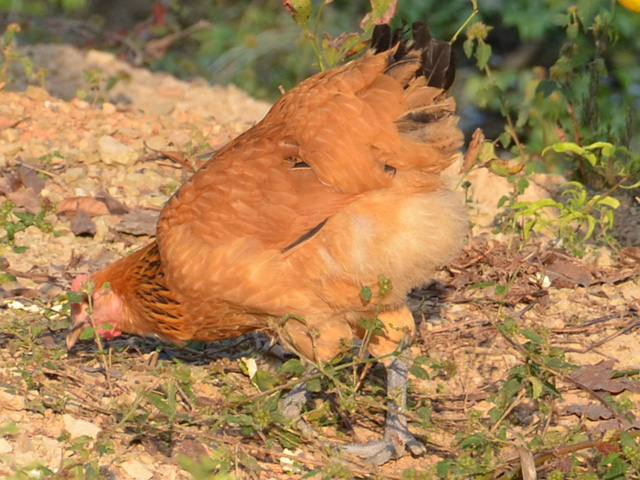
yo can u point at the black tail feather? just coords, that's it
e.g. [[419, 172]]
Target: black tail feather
[[438, 59]]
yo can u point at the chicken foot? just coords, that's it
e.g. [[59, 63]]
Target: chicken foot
[[397, 437], [291, 406]]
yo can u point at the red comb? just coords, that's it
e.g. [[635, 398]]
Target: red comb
[[77, 282]]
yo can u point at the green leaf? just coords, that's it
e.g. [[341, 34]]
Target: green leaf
[[300, 10], [442, 468], [74, 297], [424, 413], [26, 218], [511, 387], [627, 440], [468, 47], [314, 385], [474, 440], [293, 367], [9, 428], [617, 469], [87, 333], [419, 372], [483, 53], [587, 11], [372, 324], [608, 201], [6, 278], [264, 381], [366, 294], [482, 284], [533, 336], [501, 290], [547, 87], [536, 387]]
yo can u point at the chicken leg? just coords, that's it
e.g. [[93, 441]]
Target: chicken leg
[[397, 437]]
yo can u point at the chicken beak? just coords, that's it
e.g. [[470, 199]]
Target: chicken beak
[[79, 320]]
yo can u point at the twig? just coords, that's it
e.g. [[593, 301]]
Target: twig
[[14, 124]]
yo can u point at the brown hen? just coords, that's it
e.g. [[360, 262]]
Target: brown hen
[[339, 184]]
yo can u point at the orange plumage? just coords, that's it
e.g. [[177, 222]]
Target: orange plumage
[[338, 184]]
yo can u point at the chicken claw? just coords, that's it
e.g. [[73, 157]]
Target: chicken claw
[[397, 437]]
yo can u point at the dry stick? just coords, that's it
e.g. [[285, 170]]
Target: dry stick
[[562, 451], [583, 327], [185, 398], [39, 170], [507, 411], [614, 335], [14, 124], [477, 258]]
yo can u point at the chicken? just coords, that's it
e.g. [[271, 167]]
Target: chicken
[[338, 185]]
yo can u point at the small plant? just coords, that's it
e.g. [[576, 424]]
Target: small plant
[[97, 85], [9, 56], [542, 109], [14, 221], [331, 51]]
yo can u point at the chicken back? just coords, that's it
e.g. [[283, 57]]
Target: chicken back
[[339, 184]]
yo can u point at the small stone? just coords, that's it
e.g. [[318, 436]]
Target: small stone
[[109, 108], [36, 93], [136, 470], [113, 152], [80, 104], [78, 428], [9, 401], [5, 446]]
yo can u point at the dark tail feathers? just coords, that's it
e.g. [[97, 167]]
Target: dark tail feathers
[[438, 59]]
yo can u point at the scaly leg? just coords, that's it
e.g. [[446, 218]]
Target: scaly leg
[[291, 406], [397, 437]]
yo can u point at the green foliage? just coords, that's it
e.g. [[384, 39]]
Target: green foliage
[[9, 56], [14, 221], [98, 85], [575, 97]]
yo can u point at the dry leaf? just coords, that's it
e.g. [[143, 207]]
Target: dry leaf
[[30, 178], [565, 274], [115, 207], [25, 198], [9, 183], [91, 206], [600, 377], [81, 224]]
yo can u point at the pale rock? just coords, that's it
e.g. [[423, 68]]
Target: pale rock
[[78, 428], [630, 291], [179, 138], [38, 94], [5, 446], [109, 108], [157, 142], [73, 174], [80, 104], [113, 152], [9, 401], [136, 470]]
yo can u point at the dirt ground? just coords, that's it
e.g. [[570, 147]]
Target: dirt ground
[[88, 179]]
